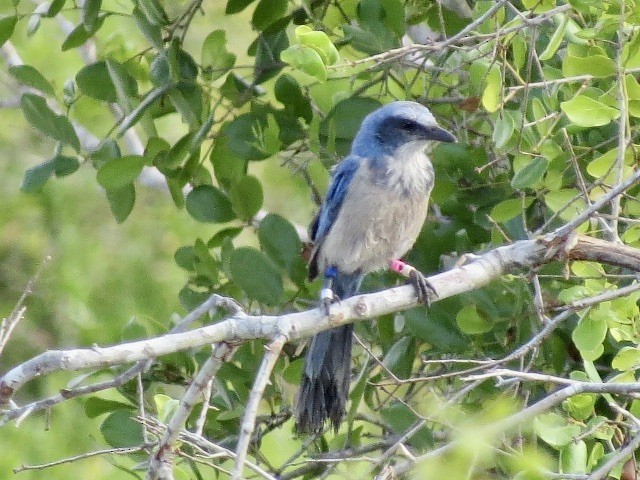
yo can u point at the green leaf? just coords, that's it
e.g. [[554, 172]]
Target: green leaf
[[40, 116], [94, 81], [305, 59], [121, 201], [567, 200], [530, 174], [79, 35], [539, 6], [7, 26], [54, 8], [185, 257], [236, 6], [555, 430], [151, 31], [580, 407], [187, 100], [470, 321], [602, 166], [90, 11], [491, 96], [587, 112], [590, 332], [628, 358], [267, 51], [633, 91], [320, 42], [65, 165], [555, 40], [247, 197], [153, 11], [228, 166], [288, 92], [216, 59], [344, 120], [252, 271], [241, 136], [96, 406], [35, 177], [132, 118], [268, 12], [399, 358], [120, 430], [503, 129], [29, 76], [160, 70], [209, 204], [279, 239], [437, 329], [597, 66], [36, 19], [510, 208], [573, 458], [120, 171], [165, 406]]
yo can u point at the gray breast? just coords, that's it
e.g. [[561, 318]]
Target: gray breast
[[380, 218]]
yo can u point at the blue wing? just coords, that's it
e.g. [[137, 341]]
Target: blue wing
[[341, 178]]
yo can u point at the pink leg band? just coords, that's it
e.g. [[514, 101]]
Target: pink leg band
[[402, 268]]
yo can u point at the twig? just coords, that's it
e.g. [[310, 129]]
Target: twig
[[603, 472], [205, 445], [532, 411], [602, 201], [141, 409], [211, 303], [622, 124], [161, 461], [75, 458], [248, 421], [8, 324]]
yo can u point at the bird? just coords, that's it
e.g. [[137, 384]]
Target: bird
[[372, 214]]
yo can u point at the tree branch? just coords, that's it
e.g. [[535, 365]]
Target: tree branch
[[295, 326], [248, 421], [161, 461]]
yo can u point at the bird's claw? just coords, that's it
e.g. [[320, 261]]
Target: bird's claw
[[424, 289]]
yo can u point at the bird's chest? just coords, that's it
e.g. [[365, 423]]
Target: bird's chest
[[411, 177], [380, 218]]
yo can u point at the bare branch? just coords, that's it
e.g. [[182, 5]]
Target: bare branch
[[75, 458], [211, 303], [161, 461], [295, 326], [8, 324], [248, 421]]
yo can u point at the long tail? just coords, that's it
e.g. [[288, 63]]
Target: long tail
[[324, 387]]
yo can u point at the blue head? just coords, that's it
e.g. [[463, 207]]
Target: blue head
[[395, 125]]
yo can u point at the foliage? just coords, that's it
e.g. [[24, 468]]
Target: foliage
[[544, 99]]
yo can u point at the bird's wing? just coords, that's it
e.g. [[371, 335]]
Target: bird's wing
[[341, 178]]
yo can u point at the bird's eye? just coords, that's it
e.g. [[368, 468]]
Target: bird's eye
[[408, 125]]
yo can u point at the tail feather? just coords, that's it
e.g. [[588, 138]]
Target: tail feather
[[324, 387]]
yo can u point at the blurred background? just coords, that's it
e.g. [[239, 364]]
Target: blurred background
[[101, 276]]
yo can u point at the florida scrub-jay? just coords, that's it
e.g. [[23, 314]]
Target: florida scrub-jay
[[372, 214]]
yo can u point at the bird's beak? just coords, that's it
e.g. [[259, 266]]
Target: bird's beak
[[439, 134]]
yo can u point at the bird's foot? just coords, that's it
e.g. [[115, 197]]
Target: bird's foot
[[424, 289]]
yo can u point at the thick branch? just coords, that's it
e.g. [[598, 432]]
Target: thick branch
[[295, 326]]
